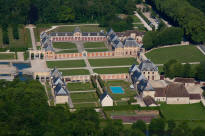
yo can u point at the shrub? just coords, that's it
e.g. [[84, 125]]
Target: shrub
[[5, 34], [15, 31]]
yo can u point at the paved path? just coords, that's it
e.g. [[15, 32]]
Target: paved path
[[80, 46], [32, 36], [201, 48], [70, 103], [142, 20], [88, 91], [20, 56], [88, 65], [147, 15]]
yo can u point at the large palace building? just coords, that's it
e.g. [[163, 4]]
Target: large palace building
[[123, 47], [77, 35]]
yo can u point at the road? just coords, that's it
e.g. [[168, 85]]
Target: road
[[70, 103], [142, 20]]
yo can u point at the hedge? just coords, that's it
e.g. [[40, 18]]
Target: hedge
[[130, 107]]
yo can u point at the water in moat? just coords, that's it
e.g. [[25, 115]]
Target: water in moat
[[20, 67]]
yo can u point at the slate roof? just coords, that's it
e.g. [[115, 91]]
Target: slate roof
[[148, 100], [128, 33], [137, 76], [55, 73], [144, 86], [195, 96], [147, 65], [130, 42], [58, 80], [46, 43], [176, 90], [184, 80], [133, 68], [60, 91], [160, 92], [104, 95]]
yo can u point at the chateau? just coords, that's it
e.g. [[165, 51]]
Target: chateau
[[77, 35]]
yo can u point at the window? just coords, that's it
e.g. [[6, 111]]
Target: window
[[152, 72], [148, 72]]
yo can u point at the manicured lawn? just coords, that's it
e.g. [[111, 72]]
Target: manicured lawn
[[94, 45], [84, 28], [111, 70], [180, 53], [84, 97], [122, 103], [97, 50], [23, 41], [183, 112], [64, 45], [112, 62], [72, 72], [5, 56], [85, 105], [66, 64], [67, 51], [126, 87], [135, 19], [80, 86]]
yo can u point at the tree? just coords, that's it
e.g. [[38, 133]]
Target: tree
[[198, 131], [157, 126], [140, 125], [187, 70], [171, 126]]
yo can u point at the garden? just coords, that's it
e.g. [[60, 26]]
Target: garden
[[128, 93], [83, 28], [64, 45], [72, 72], [80, 86], [66, 64], [112, 62], [111, 70]]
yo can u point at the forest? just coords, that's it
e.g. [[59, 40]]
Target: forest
[[64, 11], [25, 112], [181, 13], [175, 69], [200, 4]]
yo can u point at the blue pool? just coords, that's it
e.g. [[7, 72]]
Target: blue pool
[[116, 89]]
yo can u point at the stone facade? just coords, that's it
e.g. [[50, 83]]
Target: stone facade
[[77, 35]]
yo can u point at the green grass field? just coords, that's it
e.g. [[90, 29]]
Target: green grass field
[[84, 28], [183, 112], [180, 53], [126, 87], [97, 50], [112, 62], [72, 72], [64, 45], [66, 64], [67, 51], [7, 56], [94, 45], [111, 70], [80, 86], [85, 105], [84, 97]]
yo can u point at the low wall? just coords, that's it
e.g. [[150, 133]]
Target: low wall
[[103, 76]]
